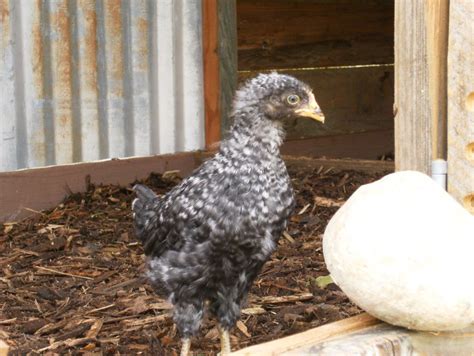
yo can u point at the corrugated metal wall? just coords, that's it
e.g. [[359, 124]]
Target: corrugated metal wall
[[83, 80]]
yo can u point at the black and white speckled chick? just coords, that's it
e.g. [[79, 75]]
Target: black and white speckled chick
[[208, 238]]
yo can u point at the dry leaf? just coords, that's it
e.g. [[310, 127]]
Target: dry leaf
[[328, 202], [95, 329], [140, 305], [241, 326], [255, 310], [287, 236], [212, 334], [7, 228], [166, 340], [89, 347]]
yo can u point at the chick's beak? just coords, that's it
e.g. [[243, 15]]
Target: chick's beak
[[312, 110]]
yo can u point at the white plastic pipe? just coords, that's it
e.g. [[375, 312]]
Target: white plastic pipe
[[439, 172]]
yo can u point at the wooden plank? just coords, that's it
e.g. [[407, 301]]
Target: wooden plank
[[380, 340], [437, 51], [388, 340], [352, 99], [461, 103], [313, 336], [43, 188], [371, 145], [364, 335], [371, 166], [413, 125], [211, 71], [290, 34], [52, 184], [364, 145]]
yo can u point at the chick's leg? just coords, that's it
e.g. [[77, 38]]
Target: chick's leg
[[185, 346], [187, 315], [225, 341]]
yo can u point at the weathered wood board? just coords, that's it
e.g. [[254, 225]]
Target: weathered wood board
[[421, 29], [361, 145], [31, 190], [20, 198], [365, 335], [295, 34], [412, 120], [461, 103], [437, 51], [353, 100], [387, 340], [340, 164], [311, 337]]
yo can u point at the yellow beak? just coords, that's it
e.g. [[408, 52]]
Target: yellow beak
[[312, 111]]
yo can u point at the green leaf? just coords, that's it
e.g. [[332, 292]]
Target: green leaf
[[323, 281]]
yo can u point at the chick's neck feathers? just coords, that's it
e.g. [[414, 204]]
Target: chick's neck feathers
[[253, 130]]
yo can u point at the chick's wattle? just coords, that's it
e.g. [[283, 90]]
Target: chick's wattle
[[207, 239]]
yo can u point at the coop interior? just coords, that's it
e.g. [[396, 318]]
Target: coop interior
[[73, 274], [344, 51]]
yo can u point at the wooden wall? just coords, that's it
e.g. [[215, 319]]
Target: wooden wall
[[342, 48], [460, 125]]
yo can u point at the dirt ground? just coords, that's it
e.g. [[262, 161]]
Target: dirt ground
[[72, 278]]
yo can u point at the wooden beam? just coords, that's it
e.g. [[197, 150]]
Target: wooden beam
[[363, 145], [25, 191], [412, 110], [371, 166], [296, 34], [311, 337], [210, 28], [347, 108], [220, 65], [461, 103], [421, 29], [437, 12], [365, 335]]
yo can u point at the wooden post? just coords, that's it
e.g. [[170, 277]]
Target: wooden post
[[437, 12], [220, 64], [211, 71], [461, 102], [420, 83], [412, 119]]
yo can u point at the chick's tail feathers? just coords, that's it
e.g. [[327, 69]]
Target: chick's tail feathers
[[144, 195], [144, 210]]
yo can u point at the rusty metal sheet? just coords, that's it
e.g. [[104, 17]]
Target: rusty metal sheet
[[87, 80]]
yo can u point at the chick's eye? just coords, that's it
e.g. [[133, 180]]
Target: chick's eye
[[293, 99]]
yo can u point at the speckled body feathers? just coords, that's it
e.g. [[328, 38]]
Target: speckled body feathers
[[208, 238]]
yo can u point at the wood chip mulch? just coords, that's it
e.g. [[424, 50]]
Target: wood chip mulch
[[72, 278]]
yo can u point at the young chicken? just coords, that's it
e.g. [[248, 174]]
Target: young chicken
[[208, 238]]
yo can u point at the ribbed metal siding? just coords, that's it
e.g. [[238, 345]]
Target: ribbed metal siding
[[85, 80]]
